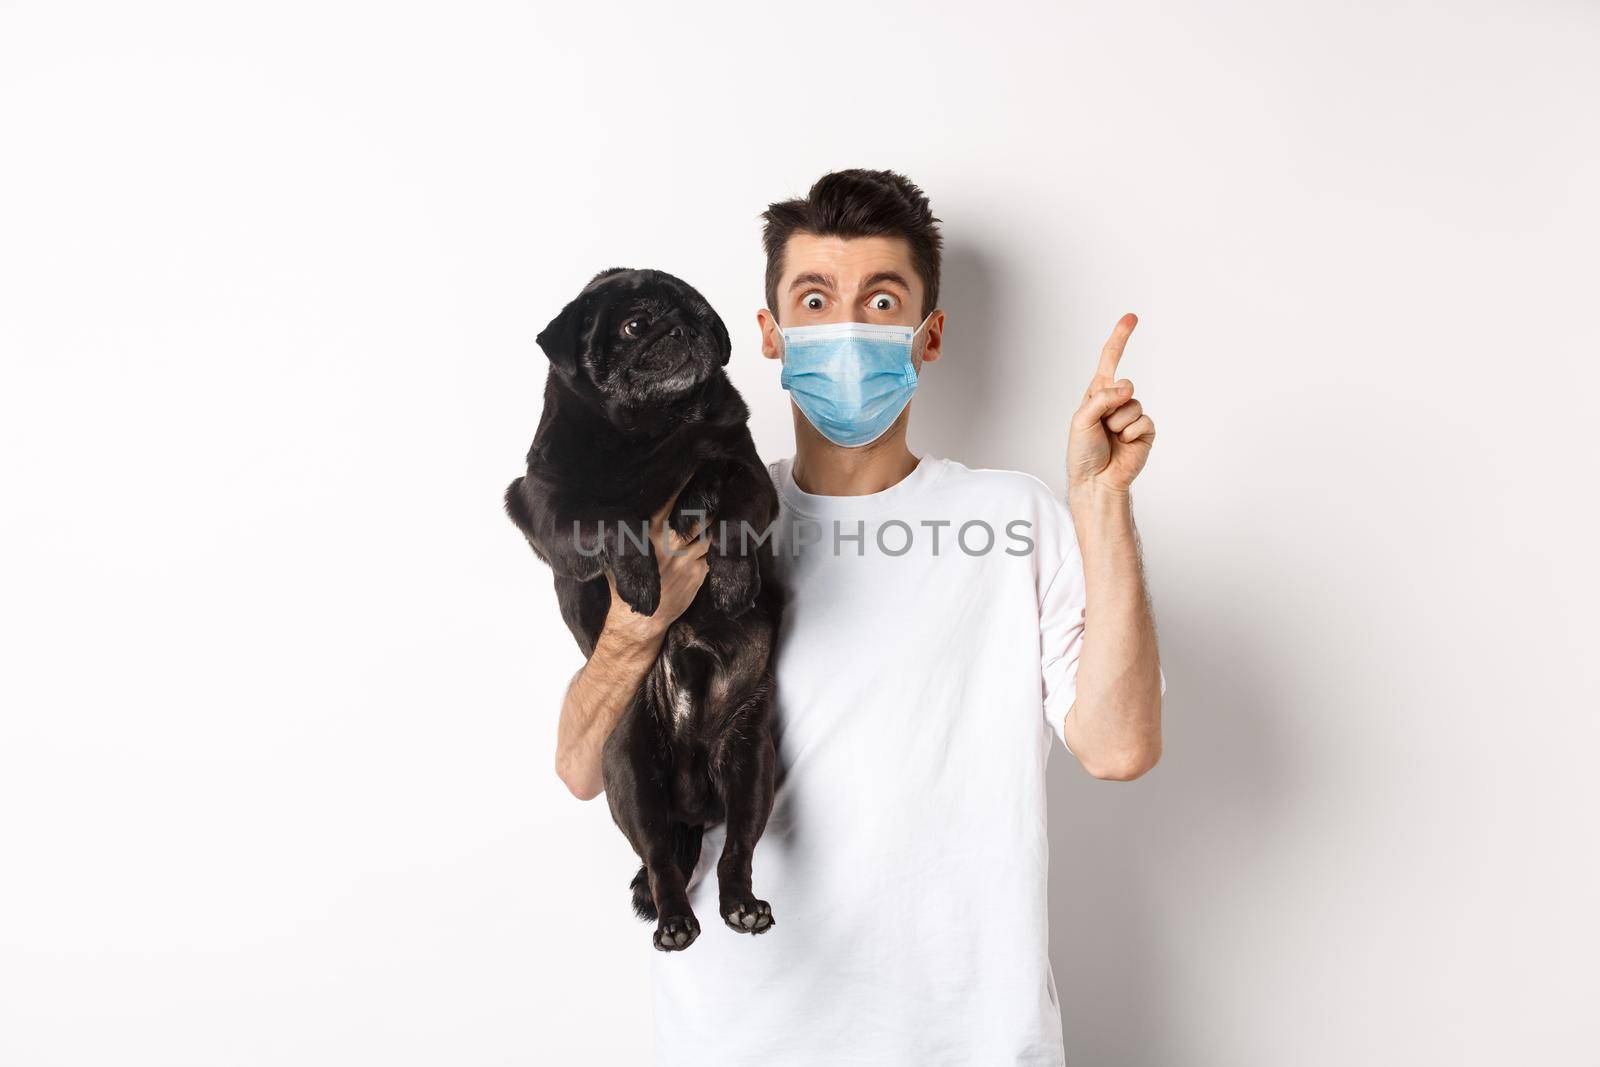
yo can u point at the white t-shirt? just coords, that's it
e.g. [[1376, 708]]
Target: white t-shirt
[[920, 678]]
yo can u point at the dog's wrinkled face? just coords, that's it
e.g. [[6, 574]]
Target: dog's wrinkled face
[[636, 339]]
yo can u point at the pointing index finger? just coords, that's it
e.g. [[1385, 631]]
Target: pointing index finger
[[1111, 354]]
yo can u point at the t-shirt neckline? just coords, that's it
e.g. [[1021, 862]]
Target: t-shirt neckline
[[927, 471]]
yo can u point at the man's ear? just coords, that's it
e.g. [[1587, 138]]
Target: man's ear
[[564, 339], [771, 340]]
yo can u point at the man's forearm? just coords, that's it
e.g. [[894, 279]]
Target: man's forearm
[[1114, 726], [623, 654], [600, 692]]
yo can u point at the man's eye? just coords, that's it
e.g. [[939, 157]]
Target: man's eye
[[813, 301], [883, 302], [634, 327]]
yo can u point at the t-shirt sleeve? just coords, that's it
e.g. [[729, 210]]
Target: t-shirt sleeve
[[1061, 615], [1061, 612]]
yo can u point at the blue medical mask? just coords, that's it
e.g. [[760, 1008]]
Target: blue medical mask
[[850, 380]]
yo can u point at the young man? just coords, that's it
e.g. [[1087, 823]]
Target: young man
[[923, 667]]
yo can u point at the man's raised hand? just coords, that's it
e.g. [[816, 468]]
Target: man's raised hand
[[1111, 435]]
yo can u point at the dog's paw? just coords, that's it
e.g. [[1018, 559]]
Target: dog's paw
[[676, 933], [638, 583], [734, 584], [748, 916], [692, 510]]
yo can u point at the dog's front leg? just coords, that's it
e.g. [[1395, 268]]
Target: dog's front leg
[[697, 502], [722, 502], [568, 534], [583, 548], [631, 558], [737, 531]]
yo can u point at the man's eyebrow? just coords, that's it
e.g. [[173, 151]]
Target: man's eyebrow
[[827, 282], [811, 277], [887, 276]]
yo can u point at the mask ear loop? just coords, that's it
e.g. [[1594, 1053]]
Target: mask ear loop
[[916, 358], [782, 349]]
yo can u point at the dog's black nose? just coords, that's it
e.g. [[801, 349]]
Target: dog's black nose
[[676, 331]]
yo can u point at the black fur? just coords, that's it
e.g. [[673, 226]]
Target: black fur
[[630, 415]]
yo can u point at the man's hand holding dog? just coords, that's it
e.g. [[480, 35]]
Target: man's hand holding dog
[[681, 561]]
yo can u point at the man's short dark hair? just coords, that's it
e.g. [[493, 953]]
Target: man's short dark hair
[[858, 203]]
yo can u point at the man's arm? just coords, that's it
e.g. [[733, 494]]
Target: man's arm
[[1114, 725], [623, 654]]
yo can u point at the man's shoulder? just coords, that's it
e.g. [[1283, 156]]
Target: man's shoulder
[[1014, 500], [998, 486]]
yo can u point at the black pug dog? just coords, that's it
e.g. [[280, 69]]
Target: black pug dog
[[637, 405]]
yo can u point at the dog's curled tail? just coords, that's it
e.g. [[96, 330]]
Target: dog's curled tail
[[685, 854]]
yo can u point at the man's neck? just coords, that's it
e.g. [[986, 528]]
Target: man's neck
[[822, 468]]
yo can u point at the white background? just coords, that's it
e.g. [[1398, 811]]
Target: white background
[[280, 680]]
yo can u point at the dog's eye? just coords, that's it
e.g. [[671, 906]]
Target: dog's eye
[[634, 327]]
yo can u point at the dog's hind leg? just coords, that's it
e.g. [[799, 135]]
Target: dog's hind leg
[[744, 769], [640, 797], [686, 853]]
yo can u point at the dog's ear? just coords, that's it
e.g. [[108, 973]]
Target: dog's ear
[[564, 339], [720, 333], [568, 334]]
